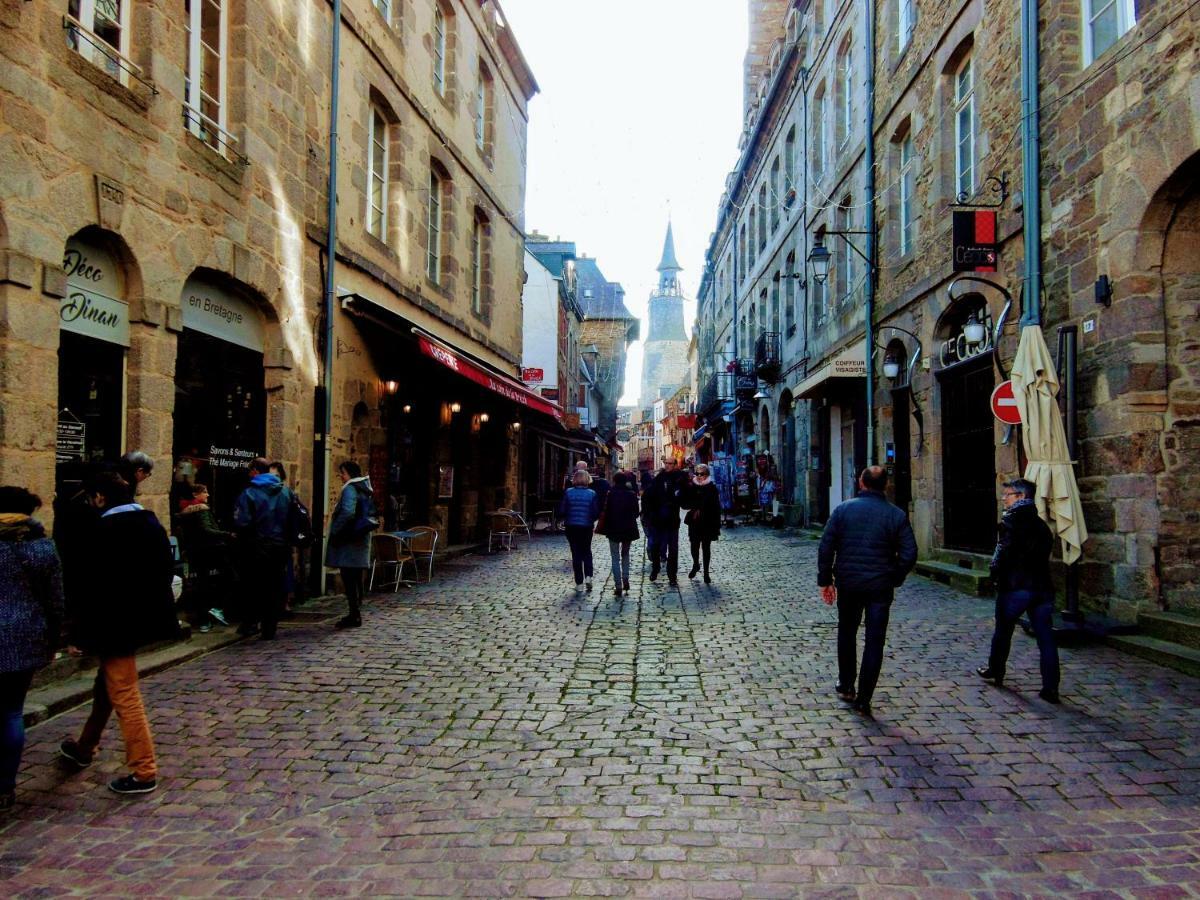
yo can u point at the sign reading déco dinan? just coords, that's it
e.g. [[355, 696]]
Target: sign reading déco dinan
[[91, 307]]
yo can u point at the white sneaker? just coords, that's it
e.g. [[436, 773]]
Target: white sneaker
[[579, 588]]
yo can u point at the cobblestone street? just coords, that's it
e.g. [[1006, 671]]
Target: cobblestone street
[[495, 734]]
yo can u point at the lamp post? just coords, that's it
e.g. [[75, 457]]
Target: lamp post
[[891, 369]]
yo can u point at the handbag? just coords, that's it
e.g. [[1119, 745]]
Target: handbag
[[601, 523]]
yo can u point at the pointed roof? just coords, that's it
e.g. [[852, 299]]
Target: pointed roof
[[669, 264]]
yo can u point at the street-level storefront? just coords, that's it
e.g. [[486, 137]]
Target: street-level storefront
[[93, 345], [220, 400]]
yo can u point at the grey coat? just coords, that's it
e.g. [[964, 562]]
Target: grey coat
[[31, 599], [347, 551]]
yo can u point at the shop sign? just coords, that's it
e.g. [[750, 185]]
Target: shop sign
[[956, 349], [849, 367], [230, 457], [445, 482], [214, 311], [974, 237], [533, 376], [90, 307], [70, 441]]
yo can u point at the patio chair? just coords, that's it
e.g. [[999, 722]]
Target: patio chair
[[388, 554], [501, 531], [422, 546], [544, 520], [519, 520]]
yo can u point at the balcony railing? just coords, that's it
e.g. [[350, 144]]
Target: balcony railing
[[717, 390], [767, 358]]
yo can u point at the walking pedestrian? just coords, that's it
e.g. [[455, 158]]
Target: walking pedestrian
[[289, 581], [578, 510], [866, 552], [31, 612], [620, 517], [350, 538], [601, 486], [703, 519], [260, 519], [660, 507], [135, 467], [128, 604], [206, 547], [1021, 573]]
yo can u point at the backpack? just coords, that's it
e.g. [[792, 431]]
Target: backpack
[[366, 518], [298, 527]]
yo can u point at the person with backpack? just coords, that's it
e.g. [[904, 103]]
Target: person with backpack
[[350, 538], [618, 522], [261, 518]]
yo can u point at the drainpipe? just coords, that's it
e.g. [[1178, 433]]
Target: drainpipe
[[322, 407], [1031, 164], [869, 228]]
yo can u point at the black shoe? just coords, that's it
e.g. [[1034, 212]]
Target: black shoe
[[986, 673], [348, 622], [616, 592], [654, 574], [70, 750], [1049, 696], [127, 784], [707, 579], [862, 709], [673, 582], [847, 695], [692, 574], [626, 586], [246, 629]]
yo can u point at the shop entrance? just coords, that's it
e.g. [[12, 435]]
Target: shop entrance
[[968, 456]]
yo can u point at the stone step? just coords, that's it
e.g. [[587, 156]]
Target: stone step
[[964, 559], [971, 581], [1178, 628], [1165, 653]]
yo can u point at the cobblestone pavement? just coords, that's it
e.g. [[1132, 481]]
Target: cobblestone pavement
[[494, 734]]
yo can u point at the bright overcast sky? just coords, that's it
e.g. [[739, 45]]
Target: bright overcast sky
[[638, 116]]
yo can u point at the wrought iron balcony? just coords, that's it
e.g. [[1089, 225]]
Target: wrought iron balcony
[[767, 360], [717, 390]]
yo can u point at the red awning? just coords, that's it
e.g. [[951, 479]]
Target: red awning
[[508, 388]]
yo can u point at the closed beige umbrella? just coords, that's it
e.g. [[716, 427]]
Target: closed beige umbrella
[[1035, 387]]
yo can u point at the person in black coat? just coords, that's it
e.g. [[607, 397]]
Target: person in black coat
[[1021, 572], [129, 604], [619, 524], [866, 552], [660, 513], [703, 503]]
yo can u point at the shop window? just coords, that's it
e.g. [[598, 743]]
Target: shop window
[[100, 33], [1104, 21], [377, 167], [964, 129], [204, 82]]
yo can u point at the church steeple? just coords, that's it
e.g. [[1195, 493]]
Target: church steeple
[[669, 268]]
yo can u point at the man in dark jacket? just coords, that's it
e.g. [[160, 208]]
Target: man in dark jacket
[[1021, 573], [866, 552], [660, 512], [260, 517], [128, 604]]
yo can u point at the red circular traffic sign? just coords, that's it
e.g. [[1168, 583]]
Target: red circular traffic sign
[[1004, 404]]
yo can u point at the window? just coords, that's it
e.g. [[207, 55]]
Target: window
[[845, 265], [1104, 23], [964, 129], [845, 93], [479, 234], [385, 9], [789, 292], [377, 164], [439, 50], [908, 184], [105, 34], [789, 160], [776, 194], [818, 131], [753, 242], [742, 248], [762, 216], [204, 81], [906, 22], [483, 110], [775, 303], [433, 262], [762, 311]]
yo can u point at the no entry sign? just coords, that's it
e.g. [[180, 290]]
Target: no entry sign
[[1004, 404]]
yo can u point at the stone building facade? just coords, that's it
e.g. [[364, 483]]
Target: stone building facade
[[175, 161]]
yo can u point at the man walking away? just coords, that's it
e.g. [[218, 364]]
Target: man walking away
[[260, 517], [866, 552], [1021, 573], [135, 467], [660, 507], [128, 604]]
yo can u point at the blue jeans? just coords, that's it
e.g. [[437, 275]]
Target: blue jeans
[[13, 688], [619, 550], [579, 537], [877, 605], [1009, 607]]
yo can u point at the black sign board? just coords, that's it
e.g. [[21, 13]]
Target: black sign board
[[974, 236], [70, 440]]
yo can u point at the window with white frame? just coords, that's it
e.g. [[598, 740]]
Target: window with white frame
[[789, 160], [908, 184], [101, 34], [762, 216], [964, 128], [742, 248], [433, 260], [776, 194], [204, 82], [1104, 21], [753, 239], [385, 9], [789, 292], [845, 222], [478, 260], [820, 143], [439, 49], [377, 166], [483, 110], [906, 21], [845, 92]]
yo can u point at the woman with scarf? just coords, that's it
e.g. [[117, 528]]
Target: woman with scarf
[[703, 502], [31, 611]]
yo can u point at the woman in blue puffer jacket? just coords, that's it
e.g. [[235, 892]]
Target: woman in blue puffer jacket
[[579, 511]]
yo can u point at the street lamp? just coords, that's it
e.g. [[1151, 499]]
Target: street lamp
[[973, 329], [891, 366], [818, 258]]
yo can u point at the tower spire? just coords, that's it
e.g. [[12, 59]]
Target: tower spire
[[669, 267]]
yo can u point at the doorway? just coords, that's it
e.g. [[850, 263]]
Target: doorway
[[968, 456], [91, 392]]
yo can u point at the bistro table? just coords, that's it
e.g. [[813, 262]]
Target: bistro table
[[404, 537]]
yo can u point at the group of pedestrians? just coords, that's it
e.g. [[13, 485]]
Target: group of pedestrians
[[867, 550], [589, 506]]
